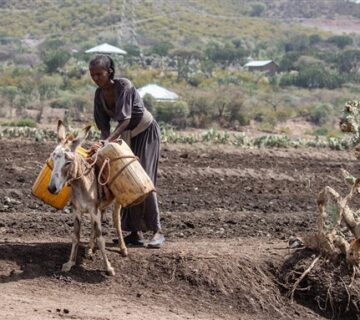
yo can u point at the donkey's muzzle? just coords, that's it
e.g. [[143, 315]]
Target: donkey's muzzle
[[52, 189]]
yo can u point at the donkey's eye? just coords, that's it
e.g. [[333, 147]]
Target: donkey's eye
[[67, 163]]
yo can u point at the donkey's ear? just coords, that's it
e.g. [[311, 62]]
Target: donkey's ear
[[81, 137], [61, 134]]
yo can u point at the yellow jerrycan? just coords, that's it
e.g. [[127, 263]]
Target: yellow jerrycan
[[125, 176], [40, 186]]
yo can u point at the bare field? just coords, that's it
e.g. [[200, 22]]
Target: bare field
[[227, 214]]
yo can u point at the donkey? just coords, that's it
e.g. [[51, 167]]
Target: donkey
[[72, 169]]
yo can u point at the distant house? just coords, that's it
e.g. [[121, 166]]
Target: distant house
[[158, 93], [106, 48], [262, 65]]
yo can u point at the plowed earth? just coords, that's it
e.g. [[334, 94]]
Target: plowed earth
[[227, 215]]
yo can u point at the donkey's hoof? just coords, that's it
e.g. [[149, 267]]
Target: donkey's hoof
[[66, 267], [124, 252], [110, 271]]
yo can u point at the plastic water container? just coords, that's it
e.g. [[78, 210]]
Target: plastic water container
[[40, 186], [124, 174]]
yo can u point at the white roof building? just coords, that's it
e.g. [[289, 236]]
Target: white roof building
[[158, 93], [106, 48], [258, 63]]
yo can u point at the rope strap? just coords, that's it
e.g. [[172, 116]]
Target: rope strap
[[88, 165], [107, 163]]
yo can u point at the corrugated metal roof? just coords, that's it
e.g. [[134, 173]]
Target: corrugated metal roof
[[106, 48], [258, 63], [159, 93]]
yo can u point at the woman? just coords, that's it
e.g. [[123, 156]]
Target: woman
[[117, 99]]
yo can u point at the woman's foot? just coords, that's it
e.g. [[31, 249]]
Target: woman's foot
[[134, 239], [157, 241]]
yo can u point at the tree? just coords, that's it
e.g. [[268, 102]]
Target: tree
[[341, 41], [320, 114], [225, 54], [298, 42], [257, 9], [349, 61], [55, 59], [54, 54], [132, 50], [288, 61], [162, 48], [314, 39], [9, 92], [183, 59]]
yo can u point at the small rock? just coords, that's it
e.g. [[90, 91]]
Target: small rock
[[66, 311]]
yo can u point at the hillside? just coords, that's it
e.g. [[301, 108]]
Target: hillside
[[181, 22], [196, 48]]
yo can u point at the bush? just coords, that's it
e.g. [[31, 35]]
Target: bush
[[132, 50], [196, 79], [162, 48], [340, 41], [313, 76], [202, 109], [322, 131], [257, 9], [55, 59], [62, 103], [172, 112], [150, 103], [25, 122], [320, 114]]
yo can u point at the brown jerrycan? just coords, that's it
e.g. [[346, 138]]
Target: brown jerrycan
[[122, 172], [40, 186]]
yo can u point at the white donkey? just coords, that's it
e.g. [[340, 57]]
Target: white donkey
[[71, 168]]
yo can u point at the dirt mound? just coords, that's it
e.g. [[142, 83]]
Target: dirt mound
[[224, 280], [330, 284]]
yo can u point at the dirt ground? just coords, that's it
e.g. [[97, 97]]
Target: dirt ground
[[227, 215]]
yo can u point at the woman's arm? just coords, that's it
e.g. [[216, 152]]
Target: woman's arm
[[102, 119], [118, 130]]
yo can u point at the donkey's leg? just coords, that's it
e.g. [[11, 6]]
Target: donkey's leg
[[117, 224], [75, 243], [101, 242], [91, 245]]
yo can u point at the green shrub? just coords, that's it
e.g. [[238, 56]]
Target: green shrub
[[341, 41], [257, 9], [195, 79], [162, 48], [320, 114], [322, 131], [62, 103], [25, 122], [172, 112], [150, 103], [55, 59]]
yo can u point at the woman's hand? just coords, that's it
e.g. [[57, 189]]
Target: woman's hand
[[97, 145]]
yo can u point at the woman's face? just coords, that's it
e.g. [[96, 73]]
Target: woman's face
[[100, 76]]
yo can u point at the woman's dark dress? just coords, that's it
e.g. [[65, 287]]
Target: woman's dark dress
[[146, 146]]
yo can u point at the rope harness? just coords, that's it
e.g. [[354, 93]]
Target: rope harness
[[88, 169], [107, 163]]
